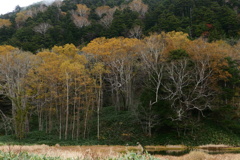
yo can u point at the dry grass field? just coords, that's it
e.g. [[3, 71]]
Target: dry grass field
[[198, 155], [104, 152], [81, 152]]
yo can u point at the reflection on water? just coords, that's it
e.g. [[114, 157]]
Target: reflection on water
[[219, 151], [183, 152], [169, 152]]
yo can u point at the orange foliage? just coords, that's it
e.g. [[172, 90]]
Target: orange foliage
[[177, 40], [113, 46], [82, 10], [5, 22], [102, 10], [21, 17], [213, 54], [80, 16], [6, 49]]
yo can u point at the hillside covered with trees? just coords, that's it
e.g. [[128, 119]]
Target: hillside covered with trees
[[161, 72], [80, 21]]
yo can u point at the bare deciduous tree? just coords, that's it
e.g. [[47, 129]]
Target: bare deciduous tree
[[42, 28], [82, 10], [80, 21], [139, 6], [108, 12], [14, 68], [57, 3], [102, 10], [42, 8], [187, 88], [106, 21], [7, 123], [135, 32], [153, 60], [80, 16]]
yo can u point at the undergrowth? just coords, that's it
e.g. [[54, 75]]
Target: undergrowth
[[135, 156], [24, 156], [27, 156], [205, 133]]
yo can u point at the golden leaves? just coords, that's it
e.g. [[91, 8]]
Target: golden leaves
[[95, 46], [177, 40], [103, 46], [6, 49], [5, 22], [99, 68], [21, 17], [68, 50], [212, 55], [102, 10], [82, 10], [80, 16]]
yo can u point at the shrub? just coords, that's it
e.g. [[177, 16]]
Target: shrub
[[196, 155], [135, 156], [25, 156]]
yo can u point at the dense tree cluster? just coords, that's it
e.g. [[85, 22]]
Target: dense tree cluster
[[156, 63], [162, 80], [80, 21]]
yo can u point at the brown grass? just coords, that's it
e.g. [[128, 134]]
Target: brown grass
[[81, 152], [103, 152], [214, 146], [198, 155]]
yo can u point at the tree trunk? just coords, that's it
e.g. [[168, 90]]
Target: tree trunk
[[67, 109]]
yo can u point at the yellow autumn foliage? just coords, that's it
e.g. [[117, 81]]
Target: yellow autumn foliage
[[5, 22]]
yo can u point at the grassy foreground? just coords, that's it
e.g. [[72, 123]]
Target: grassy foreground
[[24, 156], [44, 152]]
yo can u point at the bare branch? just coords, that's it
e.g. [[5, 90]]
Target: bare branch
[[42, 28]]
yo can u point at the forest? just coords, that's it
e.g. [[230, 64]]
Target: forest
[[115, 71], [111, 86], [80, 21]]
